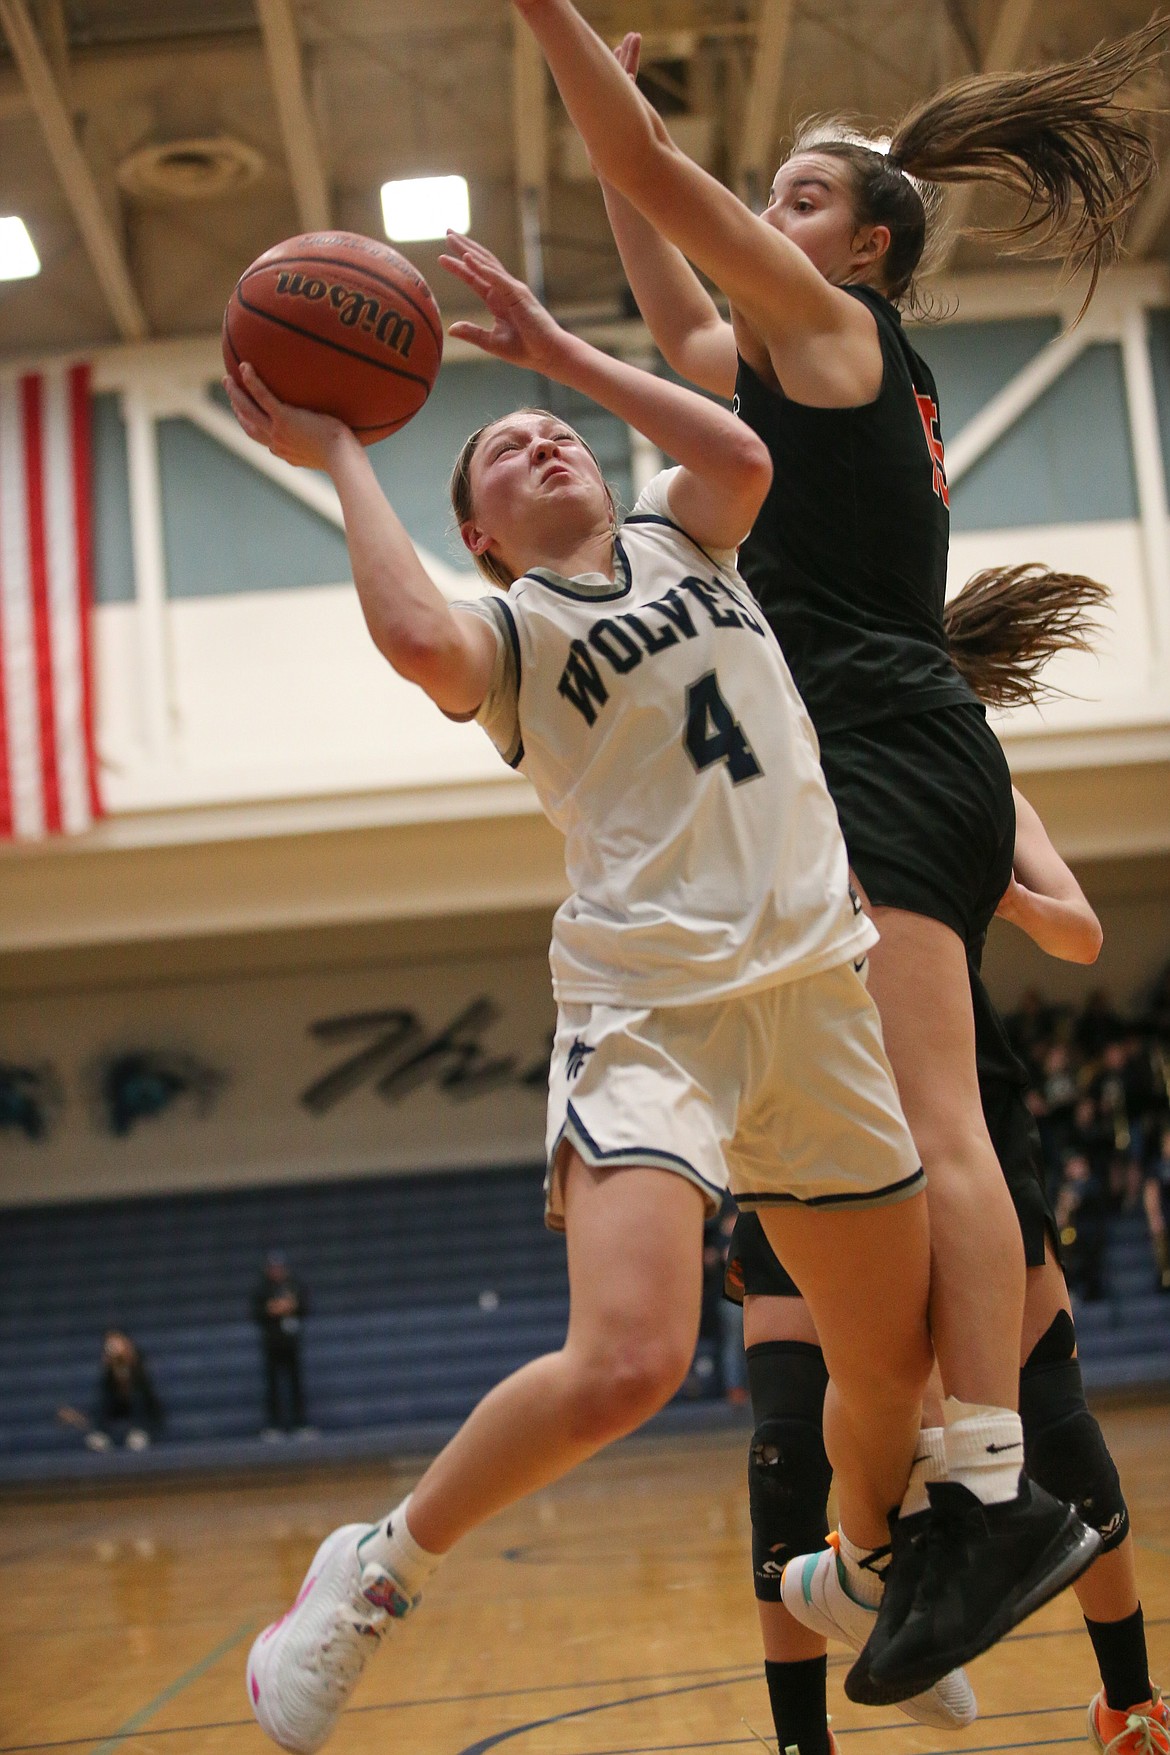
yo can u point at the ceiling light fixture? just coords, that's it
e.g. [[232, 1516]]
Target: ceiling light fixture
[[425, 207], [18, 256]]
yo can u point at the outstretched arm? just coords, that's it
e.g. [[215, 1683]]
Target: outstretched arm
[[678, 310], [449, 654], [771, 283], [1044, 899], [726, 470]]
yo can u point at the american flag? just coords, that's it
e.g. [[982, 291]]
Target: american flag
[[48, 761]]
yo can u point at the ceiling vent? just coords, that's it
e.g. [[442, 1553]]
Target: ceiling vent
[[190, 170]]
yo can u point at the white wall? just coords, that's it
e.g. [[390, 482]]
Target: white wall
[[245, 1051]]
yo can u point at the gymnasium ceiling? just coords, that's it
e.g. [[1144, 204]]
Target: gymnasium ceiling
[[118, 116]]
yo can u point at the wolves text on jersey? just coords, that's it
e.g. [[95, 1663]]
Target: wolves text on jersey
[[624, 640]]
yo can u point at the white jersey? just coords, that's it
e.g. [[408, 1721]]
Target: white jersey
[[657, 719]]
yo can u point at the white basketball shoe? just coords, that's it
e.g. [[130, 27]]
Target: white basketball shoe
[[814, 1593], [303, 1668]]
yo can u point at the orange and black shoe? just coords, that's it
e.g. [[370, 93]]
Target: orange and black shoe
[[1143, 1730]]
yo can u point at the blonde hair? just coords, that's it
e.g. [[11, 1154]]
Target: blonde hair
[[462, 503]]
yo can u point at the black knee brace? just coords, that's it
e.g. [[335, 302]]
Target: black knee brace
[[1064, 1450], [788, 1471]]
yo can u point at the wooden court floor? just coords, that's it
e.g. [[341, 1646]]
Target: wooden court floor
[[611, 1616]]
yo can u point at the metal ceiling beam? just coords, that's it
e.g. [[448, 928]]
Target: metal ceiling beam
[[99, 235], [530, 150], [298, 129], [1004, 52], [49, 18], [758, 140]]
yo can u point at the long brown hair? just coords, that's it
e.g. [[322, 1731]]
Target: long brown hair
[[1057, 136], [1007, 622]]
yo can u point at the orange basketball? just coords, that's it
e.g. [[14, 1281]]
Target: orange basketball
[[341, 324]]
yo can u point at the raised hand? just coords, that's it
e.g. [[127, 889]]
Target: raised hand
[[522, 331], [629, 53], [295, 434]]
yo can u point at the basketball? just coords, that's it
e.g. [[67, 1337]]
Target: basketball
[[341, 324]]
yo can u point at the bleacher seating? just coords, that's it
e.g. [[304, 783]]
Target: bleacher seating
[[424, 1289], [1124, 1338]]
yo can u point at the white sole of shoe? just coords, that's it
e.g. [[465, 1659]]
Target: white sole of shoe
[[267, 1644], [813, 1596]]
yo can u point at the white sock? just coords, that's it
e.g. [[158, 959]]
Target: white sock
[[863, 1584], [930, 1464], [391, 1546], [984, 1449]]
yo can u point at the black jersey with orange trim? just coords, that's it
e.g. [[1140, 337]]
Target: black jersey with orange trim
[[848, 556]]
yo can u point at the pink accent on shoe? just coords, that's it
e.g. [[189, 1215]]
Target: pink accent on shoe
[[255, 1689], [305, 1589]]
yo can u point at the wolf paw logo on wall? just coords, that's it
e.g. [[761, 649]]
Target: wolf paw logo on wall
[[30, 1100], [138, 1085]]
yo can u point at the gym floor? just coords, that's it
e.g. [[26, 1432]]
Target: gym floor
[[611, 1615]]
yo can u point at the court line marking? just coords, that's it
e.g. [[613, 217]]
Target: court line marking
[[138, 1719], [499, 1737], [726, 1673], [231, 1724], [539, 1724], [728, 1676], [740, 1742]]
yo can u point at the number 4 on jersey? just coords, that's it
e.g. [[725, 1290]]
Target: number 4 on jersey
[[713, 734]]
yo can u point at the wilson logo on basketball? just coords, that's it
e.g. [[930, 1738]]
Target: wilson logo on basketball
[[355, 310]]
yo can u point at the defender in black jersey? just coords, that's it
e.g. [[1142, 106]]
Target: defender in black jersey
[[848, 561]]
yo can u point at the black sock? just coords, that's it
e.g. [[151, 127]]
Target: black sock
[[1121, 1657], [798, 1693]]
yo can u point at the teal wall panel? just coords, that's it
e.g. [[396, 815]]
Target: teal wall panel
[[972, 362], [1067, 460], [227, 528], [113, 555]]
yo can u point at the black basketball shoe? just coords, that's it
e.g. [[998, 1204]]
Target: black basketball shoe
[[900, 1583], [982, 1570]]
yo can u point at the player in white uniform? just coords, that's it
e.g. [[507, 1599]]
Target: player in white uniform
[[713, 1023], [656, 718]]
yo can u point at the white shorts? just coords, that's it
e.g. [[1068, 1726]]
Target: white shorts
[[782, 1095]]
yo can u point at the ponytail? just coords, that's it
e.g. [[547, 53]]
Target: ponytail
[[1057, 136], [1006, 623]]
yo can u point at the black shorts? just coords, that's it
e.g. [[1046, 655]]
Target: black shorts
[[1016, 1139], [926, 808], [755, 1271]]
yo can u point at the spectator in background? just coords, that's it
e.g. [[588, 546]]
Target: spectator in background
[[1053, 1102], [1031, 1025], [280, 1305], [1081, 1208], [1097, 1025], [1090, 1136], [127, 1409], [1100, 1089], [1156, 1196], [1157, 1011]]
